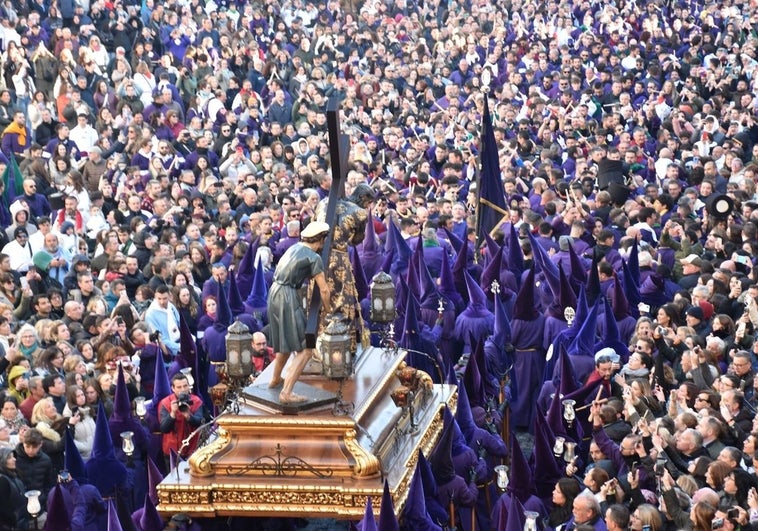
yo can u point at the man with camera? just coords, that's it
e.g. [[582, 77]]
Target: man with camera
[[179, 413]]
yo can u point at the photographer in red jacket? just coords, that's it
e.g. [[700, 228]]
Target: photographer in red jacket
[[179, 413]]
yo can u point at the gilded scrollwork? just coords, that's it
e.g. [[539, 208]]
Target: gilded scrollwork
[[366, 464], [200, 461], [188, 497], [278, 497]]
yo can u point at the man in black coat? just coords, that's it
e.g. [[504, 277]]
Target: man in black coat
[[34, 466]]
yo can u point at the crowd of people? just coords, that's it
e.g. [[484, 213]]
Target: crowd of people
[[158, 160]]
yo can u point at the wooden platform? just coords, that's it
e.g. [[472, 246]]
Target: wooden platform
[[313, 464]]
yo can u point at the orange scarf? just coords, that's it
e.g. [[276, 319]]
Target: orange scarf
[[20, 130]]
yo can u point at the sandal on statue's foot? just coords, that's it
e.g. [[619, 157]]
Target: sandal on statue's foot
[[291, 398], [275, 382]]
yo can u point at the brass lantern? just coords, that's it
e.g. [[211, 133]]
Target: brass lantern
[[239, 351], [382, 298], [335, 347]]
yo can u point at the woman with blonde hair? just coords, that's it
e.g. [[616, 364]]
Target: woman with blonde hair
[[98, 53], [52, 426], [42, 327], [74, 363], [646, 516]]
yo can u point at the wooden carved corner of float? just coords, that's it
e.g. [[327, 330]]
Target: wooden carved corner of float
[[366, 464], [200, 461]]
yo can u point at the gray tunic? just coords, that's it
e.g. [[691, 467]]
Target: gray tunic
[[285, 309]]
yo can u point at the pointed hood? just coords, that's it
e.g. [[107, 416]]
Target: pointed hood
[[430, 295], [73, 461], [475, 320], [515, 254], [547, 267], [463, 415], [565, 298], [525, 307], [427, 477], [555, 415], [584, 343], [546, 469], [102, 447], [389, 240], [631, 290], [401, 299], [455, 241], [412, 277], [258, 298], [369, 522], [173, 460], [634, 263], [359, 275], [113, 522], [502, 332], [369, 244], [472, 378], [492, 248], [103, 469], [387, 518], [593, 284], [161, 387], [492, 272], [187, 348], [154, 477], [58, 516], [477, 300], [400, 265], [150, 519], [414, 513], [370, 251], [235, 299], [516, 520], [122, 511], [567, 295], [618, 297], [414, 269], [611, 334], [441, 459], [522, 483], [581, 308], [447, 283], [568, 377], [223, 313], [410, 333], [122, 407], [389, 258], [578, 275], [246, 268], [460, 266]]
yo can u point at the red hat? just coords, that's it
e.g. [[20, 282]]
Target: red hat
[[707, 308]]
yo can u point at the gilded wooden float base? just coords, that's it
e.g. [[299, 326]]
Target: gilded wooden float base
[[313, 464]]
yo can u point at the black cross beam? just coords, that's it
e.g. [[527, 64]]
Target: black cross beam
[[339, 150]]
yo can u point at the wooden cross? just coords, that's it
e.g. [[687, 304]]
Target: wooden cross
[[339, 150]]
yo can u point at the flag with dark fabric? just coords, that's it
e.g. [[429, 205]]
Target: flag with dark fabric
[[491, 193]]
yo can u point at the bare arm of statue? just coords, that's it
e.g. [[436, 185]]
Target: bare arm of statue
[[323, 289]]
